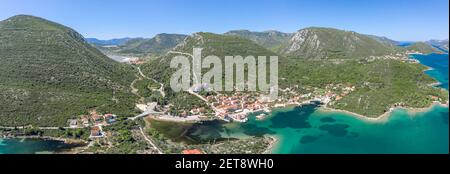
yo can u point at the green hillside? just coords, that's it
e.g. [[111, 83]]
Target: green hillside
[[49, 74], [212, 44], [328, 43], [423, 47], [379, 84], [384, 40]]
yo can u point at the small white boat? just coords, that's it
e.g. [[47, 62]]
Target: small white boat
[[260, 116]]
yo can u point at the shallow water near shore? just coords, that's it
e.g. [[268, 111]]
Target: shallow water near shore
[[311, 130], [333, 132], [32, 146]]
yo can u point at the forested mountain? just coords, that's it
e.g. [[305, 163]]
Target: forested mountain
[[50, 73], [328, 43], [423, 47], [385, 40]]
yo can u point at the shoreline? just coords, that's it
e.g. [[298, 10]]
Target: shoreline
[[386, 115], [428, 68], [382, 117], [272, 143], [67, 141], [75, 146], [48, 138], [273, 140]]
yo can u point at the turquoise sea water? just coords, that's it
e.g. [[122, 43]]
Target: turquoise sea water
[[439, 63], [309, 130], [31, 146]]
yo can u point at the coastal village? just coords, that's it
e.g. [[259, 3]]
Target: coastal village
[[234, 107], [237, 106], [94, 121]]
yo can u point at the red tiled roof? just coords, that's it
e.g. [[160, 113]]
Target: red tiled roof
[[192, 151]]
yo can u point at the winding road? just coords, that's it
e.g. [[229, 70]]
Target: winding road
[[161, 89]]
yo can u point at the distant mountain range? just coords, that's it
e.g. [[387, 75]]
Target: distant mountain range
[[273, 40], [99, 42], [310, 43], [324, 43], [385, 40], [440, 44], [157, 45]]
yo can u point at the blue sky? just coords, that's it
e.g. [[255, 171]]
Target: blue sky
[[406, 20]]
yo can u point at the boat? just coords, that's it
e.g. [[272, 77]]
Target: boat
[[261, 116], [227, 119]]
